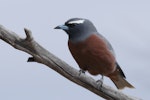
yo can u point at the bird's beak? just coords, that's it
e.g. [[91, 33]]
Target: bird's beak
[[63, 27]]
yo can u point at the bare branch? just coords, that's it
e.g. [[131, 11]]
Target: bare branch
[[41, 55]]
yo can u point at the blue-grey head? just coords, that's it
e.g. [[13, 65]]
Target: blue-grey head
[[78, 29]]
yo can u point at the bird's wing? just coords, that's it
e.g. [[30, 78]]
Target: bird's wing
[[112, 51], [108, 44]]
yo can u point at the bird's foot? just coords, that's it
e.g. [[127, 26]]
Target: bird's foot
[[100, 82], [81, 71]]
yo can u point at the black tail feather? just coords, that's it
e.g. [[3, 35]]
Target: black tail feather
[[120, 70]]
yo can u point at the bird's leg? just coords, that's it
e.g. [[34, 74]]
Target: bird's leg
[[81, 71], [100, 82]]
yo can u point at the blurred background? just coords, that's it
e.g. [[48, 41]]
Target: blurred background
[[124, 23]]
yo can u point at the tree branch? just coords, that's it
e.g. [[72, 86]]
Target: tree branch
[[41, 55]]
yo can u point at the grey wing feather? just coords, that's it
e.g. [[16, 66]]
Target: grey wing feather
[[108, 44], [112, 51]]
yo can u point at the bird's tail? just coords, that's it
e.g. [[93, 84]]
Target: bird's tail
[[119, 79], [121, 82]]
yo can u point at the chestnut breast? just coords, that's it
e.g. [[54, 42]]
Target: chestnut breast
[[92, 55]]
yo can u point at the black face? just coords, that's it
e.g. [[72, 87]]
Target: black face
[[71, 25], [74, 25]]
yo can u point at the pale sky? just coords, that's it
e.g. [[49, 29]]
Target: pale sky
[[126, 24]]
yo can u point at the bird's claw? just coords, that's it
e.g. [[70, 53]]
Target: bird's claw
[[81, 72], [100, 82]]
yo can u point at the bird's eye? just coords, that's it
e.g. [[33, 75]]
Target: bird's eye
[[71, 25]]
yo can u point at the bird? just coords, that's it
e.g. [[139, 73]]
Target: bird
[[92, 51]]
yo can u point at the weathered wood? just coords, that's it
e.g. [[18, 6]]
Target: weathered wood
[[41, 55]]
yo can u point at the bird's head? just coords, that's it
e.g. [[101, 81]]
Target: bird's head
[[78, 28]]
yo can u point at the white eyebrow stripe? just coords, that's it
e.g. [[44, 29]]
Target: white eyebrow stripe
[[76, 22]]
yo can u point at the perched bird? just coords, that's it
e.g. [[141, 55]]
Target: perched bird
[[92, 52]]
